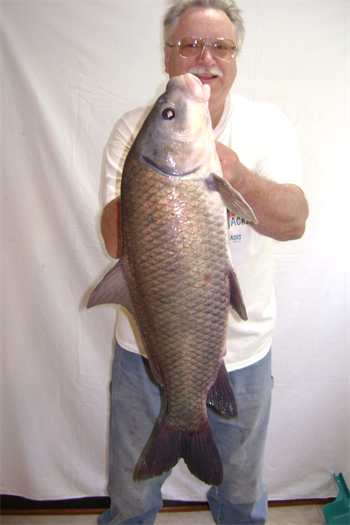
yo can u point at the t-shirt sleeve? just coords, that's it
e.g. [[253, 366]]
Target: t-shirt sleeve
[[278, 154], [116, 151]]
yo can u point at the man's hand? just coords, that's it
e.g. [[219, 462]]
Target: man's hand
[[111, 228], [232, 169]]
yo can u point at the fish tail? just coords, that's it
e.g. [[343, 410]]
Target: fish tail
[[163, 453], [201, 455], [197, 448]]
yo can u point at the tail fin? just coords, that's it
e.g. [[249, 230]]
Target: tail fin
[[198, 448], [202, 456]]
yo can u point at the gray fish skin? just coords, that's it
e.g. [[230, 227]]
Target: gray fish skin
[[175, 274]]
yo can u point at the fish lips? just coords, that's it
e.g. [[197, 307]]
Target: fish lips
[[192, 87], [164, 170]]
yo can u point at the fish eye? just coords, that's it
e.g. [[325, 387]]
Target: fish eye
[[168, 114]]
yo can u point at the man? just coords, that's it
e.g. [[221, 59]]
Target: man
[[259, 157]]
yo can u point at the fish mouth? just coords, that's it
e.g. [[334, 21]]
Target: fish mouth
[[164, 170]]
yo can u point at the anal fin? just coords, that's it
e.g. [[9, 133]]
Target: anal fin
[[221, 394]]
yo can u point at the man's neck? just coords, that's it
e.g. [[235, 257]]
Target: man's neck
[[215, 114]]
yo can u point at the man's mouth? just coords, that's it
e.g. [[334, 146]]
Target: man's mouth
[[206, 77], [205, 74]]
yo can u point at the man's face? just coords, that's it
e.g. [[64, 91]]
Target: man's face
[[207, 23]]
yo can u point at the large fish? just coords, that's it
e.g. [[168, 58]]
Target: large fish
[[175, 273]]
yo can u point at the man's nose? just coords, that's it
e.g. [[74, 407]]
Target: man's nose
[[206, 57]]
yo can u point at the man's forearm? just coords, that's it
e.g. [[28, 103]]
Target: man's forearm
[[281, 209]]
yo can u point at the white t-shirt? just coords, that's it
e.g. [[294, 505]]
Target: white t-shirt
[[265, 143]]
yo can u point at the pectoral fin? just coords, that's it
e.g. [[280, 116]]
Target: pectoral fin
[[233, 200]]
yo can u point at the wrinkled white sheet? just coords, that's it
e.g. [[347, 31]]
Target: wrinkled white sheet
[[69, 70]]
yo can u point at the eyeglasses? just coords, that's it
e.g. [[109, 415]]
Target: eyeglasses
[[193, 47]]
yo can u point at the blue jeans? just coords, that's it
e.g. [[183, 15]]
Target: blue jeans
[[137, 402]]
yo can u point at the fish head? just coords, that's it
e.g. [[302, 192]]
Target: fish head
[[177, 136]]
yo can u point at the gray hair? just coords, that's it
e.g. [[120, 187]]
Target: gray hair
[[229, 7]]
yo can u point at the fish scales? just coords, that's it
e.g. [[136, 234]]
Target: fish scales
[[175, 265]]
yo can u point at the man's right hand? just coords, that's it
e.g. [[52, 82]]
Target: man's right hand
[[111, 228]]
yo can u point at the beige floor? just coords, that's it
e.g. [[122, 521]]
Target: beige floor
[[300, 515]]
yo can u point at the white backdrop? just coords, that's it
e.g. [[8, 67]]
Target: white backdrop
[[70, 69]]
